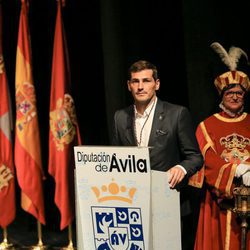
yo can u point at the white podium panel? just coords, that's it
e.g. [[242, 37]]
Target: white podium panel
[[166, 226], [113, 198], [121, 204]]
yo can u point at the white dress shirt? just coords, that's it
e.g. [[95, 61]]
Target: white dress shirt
[[143, 124]]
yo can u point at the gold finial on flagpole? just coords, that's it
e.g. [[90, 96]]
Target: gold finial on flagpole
[[5, 244], [70, 245], [40, 245]]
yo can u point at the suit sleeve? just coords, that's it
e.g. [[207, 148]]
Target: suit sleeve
[[192, 159]]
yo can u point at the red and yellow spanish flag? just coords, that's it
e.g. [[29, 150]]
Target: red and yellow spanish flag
[[64, 130], [27, 138], [7, 181]]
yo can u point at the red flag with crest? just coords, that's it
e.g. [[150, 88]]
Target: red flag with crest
[[64, 131], [7, 181], [27, 137]]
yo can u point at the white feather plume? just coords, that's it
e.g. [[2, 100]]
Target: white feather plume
[[230, 58], [235, 54]]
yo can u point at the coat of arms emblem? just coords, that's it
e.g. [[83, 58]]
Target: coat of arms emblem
[[63, 121], [118, 228]]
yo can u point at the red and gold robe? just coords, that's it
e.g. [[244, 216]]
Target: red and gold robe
[[224, 142]]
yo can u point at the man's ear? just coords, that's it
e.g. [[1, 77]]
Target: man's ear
[[157, 84], [128, 83]]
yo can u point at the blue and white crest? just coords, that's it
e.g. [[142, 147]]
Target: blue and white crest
[[117, 228]]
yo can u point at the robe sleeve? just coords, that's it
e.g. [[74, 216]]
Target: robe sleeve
[[216, 172]]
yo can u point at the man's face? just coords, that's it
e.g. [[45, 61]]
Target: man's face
[[143, 86], [233, 99]]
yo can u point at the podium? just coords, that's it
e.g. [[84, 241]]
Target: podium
[[122, 204]]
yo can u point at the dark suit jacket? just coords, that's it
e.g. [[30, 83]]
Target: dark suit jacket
[[172, 137]]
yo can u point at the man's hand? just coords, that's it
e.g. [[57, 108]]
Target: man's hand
[[176, 175], [242, 169], [246, 179]]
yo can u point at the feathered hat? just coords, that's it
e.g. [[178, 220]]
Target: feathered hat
[[230, 59]]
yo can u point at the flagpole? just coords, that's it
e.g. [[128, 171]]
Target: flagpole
[[70, 245], [40, 245], [5, 244]]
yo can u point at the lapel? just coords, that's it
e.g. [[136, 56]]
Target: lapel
[[129, 134], [157, 125]]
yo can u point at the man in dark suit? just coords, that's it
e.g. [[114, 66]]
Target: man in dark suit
[[165, 128]]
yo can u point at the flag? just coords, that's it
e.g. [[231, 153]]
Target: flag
[[64, 131], [27, 137], [7, 181]]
